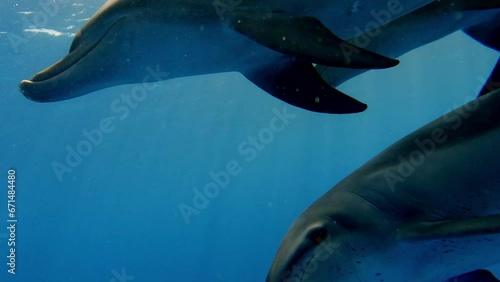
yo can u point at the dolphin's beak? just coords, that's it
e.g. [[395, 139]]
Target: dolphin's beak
[[45, 86], [71, 76], [56, 82]]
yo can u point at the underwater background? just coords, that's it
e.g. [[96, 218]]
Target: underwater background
[[115, 214]]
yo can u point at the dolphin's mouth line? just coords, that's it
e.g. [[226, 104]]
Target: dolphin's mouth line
[[304, 275], [70, 60], [337, 246]]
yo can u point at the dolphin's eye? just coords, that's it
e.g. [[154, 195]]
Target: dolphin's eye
[[318, 235]]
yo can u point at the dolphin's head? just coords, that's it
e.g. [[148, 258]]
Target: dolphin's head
[[102, 55], [314, 249], [81, 71]]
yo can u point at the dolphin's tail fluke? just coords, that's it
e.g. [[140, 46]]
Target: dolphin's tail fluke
[[297, 83]]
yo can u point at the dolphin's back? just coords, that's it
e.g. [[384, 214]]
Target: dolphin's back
[[448, 168]]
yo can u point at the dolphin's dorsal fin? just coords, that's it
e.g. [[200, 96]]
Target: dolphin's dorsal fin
[[482, 225], [480, 275], [305, 37], [296, 82]]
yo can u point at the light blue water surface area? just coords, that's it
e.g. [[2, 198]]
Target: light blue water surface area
[[115, 214]]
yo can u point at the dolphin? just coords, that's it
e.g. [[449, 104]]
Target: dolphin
[[425, 209], [270, 43], [134, 41], [478, 19]]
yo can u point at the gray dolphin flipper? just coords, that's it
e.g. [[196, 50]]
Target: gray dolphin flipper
[[306, 40], [480, 275], [297, 83], [305, 37]]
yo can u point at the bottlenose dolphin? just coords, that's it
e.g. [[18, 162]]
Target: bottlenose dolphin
[[478, 19], [132, 41], [272, 43], [425, 209]]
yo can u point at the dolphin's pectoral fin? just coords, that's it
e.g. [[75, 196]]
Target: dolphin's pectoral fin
[[488, 33], [297, 83], [305, 37], [483, 225], [480, 275]]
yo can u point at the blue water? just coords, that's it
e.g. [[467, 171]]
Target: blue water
[[115, 216]]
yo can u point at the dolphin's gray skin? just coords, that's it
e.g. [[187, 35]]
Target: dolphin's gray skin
[[272, 43], [480, 19], [480, 275], [425, 209]]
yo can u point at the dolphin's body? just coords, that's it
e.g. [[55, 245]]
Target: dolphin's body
[[132, 41], [426, 209], [272, 43], [479, 19]]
